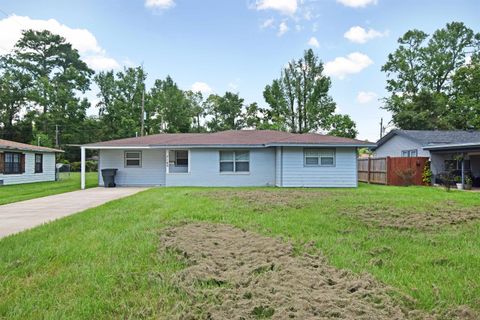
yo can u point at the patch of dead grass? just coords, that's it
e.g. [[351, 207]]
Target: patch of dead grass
[[237, 274], [447, 213], [267, 200]]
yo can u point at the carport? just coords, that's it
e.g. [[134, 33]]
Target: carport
[[461, 157]]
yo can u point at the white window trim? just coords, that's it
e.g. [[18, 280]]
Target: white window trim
[[334, 164], [139, 158], [234, 172], [167, 162], [176, 159]]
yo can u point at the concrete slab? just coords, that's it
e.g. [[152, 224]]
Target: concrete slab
[[19, 216]]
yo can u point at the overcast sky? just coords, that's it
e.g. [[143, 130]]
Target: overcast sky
[[241, 46]]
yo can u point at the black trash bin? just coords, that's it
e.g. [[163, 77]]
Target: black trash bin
[[109, 177]]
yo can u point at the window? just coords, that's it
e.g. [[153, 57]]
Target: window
[[12, 163], [452, 165], [181, 158], [319, 157], [234, 161], [133, 159], [38, 163], [409, 153]]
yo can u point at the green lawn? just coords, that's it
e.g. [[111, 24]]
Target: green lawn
[[68, 182], [105, 262]]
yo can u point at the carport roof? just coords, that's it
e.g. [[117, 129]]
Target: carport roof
[[258, 138]]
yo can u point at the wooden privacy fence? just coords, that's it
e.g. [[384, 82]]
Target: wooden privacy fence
[[395, 171]]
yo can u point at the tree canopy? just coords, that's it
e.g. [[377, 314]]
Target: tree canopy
[[426, 79], [300, 101], [43, 82]]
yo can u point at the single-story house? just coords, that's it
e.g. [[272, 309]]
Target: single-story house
[[447, 150], [24, 163], [230, 158]]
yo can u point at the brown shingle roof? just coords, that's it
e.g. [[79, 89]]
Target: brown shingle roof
[[231, 137], [12, 145]]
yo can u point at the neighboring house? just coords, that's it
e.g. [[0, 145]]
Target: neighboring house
[[231, 158], [24, 163], [446, 149]]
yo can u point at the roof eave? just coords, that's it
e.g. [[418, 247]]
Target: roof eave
[[194, 146], [336, 145], [453, 146], [31, 150]]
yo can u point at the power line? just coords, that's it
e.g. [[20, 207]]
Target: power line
[[6, 14]]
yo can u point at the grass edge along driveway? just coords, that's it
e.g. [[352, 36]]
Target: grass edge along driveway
[[105, 262], [27, 191]]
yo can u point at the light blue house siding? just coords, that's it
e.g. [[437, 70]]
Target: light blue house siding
[[205, 170], [395, 145], [278, 166], [295, 174], [273, 166], [151, 173]]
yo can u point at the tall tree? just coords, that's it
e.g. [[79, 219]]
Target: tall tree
[[466, 95], [13, 96], [56, 72], [173, 109], [420, 77], [225, 112], [120, 101], [300, 98], [195, 100], [342, 126]]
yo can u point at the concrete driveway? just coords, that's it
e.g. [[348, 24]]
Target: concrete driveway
[[19, 216]]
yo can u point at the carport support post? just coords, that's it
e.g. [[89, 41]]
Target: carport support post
[[463, 171], [82, 168]]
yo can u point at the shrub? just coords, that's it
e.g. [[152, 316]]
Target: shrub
[[407, 176], [90, 166], [447, 180], [427, 174]]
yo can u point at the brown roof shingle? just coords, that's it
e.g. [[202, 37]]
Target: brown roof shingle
[[12, 145], [231, 137]]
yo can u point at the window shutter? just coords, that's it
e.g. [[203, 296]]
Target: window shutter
[[22, 163], [2, 162]]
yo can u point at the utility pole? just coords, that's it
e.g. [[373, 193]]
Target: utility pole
[[143, 113], [381, 128], [56, 136]]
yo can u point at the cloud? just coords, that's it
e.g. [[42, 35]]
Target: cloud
[[287, 7], [364, 97], [357, 3], [340, 67], [313, 42], [81, 39], [101, 63], [159, 4], [201, 87], [282, 28], [358, 34], [267, 23]]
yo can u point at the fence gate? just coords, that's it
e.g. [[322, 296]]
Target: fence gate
[[373, 170]]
